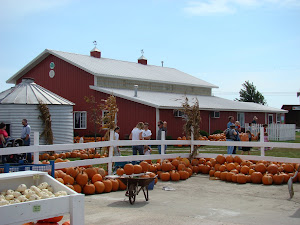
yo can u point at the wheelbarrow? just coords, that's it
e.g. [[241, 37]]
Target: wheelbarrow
[[135, 185]]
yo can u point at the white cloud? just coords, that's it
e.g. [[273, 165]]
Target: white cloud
[[213, 7], [14, 9]]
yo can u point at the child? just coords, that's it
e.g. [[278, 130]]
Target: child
[[147, 150], [116, 148], [247, 149]]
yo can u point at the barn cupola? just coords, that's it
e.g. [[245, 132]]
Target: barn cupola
[[95, 52], [142, 59]]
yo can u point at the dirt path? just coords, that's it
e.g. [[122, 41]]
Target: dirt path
[[198, 201]]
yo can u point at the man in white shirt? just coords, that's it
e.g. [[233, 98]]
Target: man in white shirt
[[146, 132], [136, 134]]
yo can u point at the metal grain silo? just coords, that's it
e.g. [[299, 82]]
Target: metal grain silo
[[22, 101]]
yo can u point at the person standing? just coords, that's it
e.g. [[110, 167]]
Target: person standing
[[3, 135], [25, 136], [136, 134], [230, 134], [162, 126], [146, 132], [231, 121], [117, 137]]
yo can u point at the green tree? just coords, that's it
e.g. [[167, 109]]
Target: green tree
[[249, 94]]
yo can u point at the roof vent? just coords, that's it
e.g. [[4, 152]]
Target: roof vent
[[142, 59], [135, 90]]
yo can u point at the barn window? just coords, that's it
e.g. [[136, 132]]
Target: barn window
[[241, 119], [178, 113], [278, 118], [79, 120], [215, 114]]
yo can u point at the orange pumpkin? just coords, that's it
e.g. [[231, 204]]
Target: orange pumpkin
[[217, 173], [278, 179], [96, 177], [115, 185], [82, 178], [60, 180], [128, 169], [241, 178], [220, 159], [245, 170], [137, 169], [175, 176], [267, 180], [89, 189], [230, 166], [91, 172], [66, 223], [165, 176], [272, 168], [256, 177], [68, 179], [99, 187], [237, 159], [166, 166], [77, 188], [223, 175], [234, 178], [145, 166], [289, 168], [108, 185], [229, 176], [183, 175], [51, 220], [181, 167], [260, 167]]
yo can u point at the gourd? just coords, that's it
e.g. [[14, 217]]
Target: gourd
[[34, 197], [16, 194], [43, 185], [60, 193], [22, 198], [9, 197], [3, 202]]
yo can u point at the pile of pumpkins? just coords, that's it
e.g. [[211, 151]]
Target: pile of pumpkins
[[62, 157], [88, 139], [92, 180], [234, 169], [49, 221]]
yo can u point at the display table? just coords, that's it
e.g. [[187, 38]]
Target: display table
[[16, 214]]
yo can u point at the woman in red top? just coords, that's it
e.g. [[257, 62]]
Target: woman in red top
[[3, 135]]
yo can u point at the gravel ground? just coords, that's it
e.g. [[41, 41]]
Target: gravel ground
[[198, 201]]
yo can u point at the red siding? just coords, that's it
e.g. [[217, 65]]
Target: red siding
[[73, 84]]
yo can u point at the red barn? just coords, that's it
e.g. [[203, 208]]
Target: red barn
[[144, 92]]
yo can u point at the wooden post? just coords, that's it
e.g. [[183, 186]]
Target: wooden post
[[111, 152], [262, 140], [163, 138], [36, 142], [192, 139]]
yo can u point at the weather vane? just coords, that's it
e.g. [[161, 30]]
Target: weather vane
[[95, 43], [142, 51]]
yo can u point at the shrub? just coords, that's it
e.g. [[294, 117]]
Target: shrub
[[203, 133], [217, 132]]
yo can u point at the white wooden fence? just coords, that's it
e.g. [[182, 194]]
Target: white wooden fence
[[276, 132], [36, 149]]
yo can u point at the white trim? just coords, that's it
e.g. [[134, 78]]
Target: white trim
[[157, 118]]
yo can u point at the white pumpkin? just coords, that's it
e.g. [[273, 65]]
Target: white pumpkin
[[28, 193], [3, 202], [14, 201], [10, 192], [22, 187], [34, 197], [9, 197], [60, 193], [2, 197], [50, 188], [22, 198], [43, 185], [16, 194]]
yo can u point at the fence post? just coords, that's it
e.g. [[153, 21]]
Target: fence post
[[110, 153], [36, 143], [262, 140], [162, 147]]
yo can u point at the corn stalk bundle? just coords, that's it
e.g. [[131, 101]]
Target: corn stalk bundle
[[46, 119]]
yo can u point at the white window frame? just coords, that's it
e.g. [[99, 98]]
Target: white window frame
[[278, 118], [82, 125], [214, 114], [103, 112], [242, 121], [270, 115]]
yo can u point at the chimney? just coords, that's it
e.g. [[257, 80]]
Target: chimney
[[142, 59], [95, 52], [135, 90]]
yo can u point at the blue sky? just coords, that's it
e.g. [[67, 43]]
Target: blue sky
[[225, 42]]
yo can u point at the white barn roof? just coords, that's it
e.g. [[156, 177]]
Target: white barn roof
[[173, 101], [28, 92], [118, 69]]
